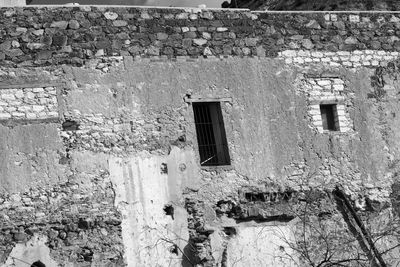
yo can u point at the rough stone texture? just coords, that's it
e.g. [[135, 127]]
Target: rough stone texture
[[315, 5], [328, 90], [353, 59], [28, 103], [79, 223], [74, 34], [115, 178]]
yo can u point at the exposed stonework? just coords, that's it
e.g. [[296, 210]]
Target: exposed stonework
[[28, 103], [315, 5], [192, 32], [328, 91], [353, 59], [113, 176]]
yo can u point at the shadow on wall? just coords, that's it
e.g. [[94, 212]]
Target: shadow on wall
[[188, 258]]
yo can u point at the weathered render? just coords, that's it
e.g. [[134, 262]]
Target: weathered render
[[99, 162]]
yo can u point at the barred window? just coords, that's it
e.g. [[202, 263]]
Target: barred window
[[210, 131]]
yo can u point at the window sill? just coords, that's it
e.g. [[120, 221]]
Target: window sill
[[333, 132], [217, 168]]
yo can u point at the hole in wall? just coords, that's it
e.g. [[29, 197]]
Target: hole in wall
[[70, 125], [169, 210], [38, 264], [182, 167], [164, 168], [86, 254], [254, 197], [268, 196], [84, 223], [174, 249], [182, 138], [230, 231], [324, 214]]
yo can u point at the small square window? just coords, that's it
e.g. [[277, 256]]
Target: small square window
[[330, 121], [210, 131]]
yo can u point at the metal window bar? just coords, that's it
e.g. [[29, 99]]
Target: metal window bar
[[210, 132]]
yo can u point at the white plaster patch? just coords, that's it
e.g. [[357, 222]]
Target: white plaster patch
[[35, 249], [267, 245], [142, 191]]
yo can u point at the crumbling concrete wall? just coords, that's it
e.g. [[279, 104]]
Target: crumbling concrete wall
[[99, 142]]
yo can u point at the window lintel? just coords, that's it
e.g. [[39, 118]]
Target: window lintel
[[191, 99]]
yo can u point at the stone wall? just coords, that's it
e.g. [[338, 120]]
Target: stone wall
[[28, 103], [107, 170], [38, 36]]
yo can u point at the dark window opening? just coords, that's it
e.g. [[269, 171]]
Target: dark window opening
[[210, 130], [38, 264], [329, 117]]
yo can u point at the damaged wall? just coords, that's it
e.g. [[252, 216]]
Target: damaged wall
[[99, 147]]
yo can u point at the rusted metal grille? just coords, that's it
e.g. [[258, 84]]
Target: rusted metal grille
[[213, 148]]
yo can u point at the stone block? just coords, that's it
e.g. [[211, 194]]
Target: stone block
[[73, 24], [323, 82], [317, 54], [153, 51], [206, 35], [354, 18], [303, 53], [338, 87], [182, 16], [200, 42], [14, 52], [37, 108], [313, 24], [59, 24], [351, 40], [314, 112], [120, 23], [289, 53], [260, 51], [162, 36], [53, 114], [355, 58], [18, 115], [7, 97], [111, 15], [43, 55], [38, 32], [298, 60], [307, 44], [5, 116], [60, 40], [288, 60]]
